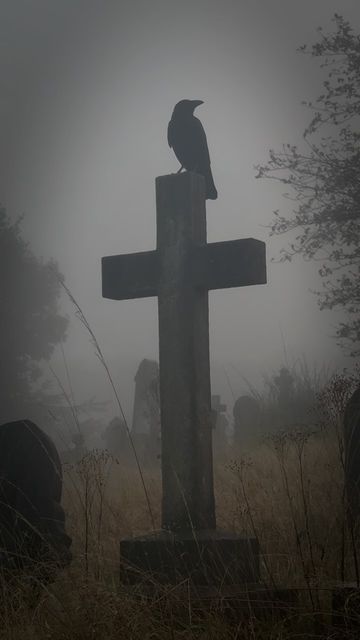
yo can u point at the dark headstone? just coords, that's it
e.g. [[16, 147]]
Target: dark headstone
[[246, 414], [32, 520]]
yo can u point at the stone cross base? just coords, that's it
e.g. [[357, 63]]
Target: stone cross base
[[205, 557]]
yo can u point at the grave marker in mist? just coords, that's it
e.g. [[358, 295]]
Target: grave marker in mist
[[180, 272]]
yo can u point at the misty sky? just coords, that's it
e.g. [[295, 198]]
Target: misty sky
[[87, 90]]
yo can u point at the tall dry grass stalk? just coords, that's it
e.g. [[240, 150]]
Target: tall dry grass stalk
[[99, 354]]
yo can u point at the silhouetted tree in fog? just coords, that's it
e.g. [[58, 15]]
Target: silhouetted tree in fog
[[324, 177], [30, 323]]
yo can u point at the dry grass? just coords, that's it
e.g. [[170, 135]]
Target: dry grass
[[289, 494]]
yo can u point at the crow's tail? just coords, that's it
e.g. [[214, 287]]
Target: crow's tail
[[211, 192]]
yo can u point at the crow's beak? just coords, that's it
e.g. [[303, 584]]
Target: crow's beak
[[197, 103]]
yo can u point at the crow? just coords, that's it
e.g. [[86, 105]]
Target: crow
[[187, 137]]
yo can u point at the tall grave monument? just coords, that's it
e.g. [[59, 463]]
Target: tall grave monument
[[180, 272]]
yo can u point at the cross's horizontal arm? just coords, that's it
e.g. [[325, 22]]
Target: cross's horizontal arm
[[133, 275], [234, 263]]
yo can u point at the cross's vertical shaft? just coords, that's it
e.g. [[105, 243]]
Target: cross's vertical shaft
[[187, 470]]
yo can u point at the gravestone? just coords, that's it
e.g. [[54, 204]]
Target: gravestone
[[145, 428], [33, 540], [220, 424], [116, 439], [283, 395], [246, 412], [180, 272]]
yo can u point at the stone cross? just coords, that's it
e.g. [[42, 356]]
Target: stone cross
[[217, 405], [180, 272]]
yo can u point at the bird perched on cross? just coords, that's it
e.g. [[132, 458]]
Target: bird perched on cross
[[187, 137]]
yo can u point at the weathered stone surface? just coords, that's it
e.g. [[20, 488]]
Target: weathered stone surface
[[180, 272], [203, 557], [234, 263], [135, 275], [185, 396]]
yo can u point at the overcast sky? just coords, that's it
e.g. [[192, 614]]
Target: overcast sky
[[87, 90]]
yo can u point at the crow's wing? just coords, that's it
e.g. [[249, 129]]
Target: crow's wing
[[188, 139], [200, 142], [170, 134]]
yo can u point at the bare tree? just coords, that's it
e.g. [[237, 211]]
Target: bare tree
[[324, 180]]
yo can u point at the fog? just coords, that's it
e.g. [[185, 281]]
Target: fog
[[88, 88]]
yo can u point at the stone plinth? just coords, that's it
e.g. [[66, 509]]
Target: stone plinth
[[204, 557]]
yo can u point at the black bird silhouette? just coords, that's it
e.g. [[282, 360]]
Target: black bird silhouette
[[187, 137]]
